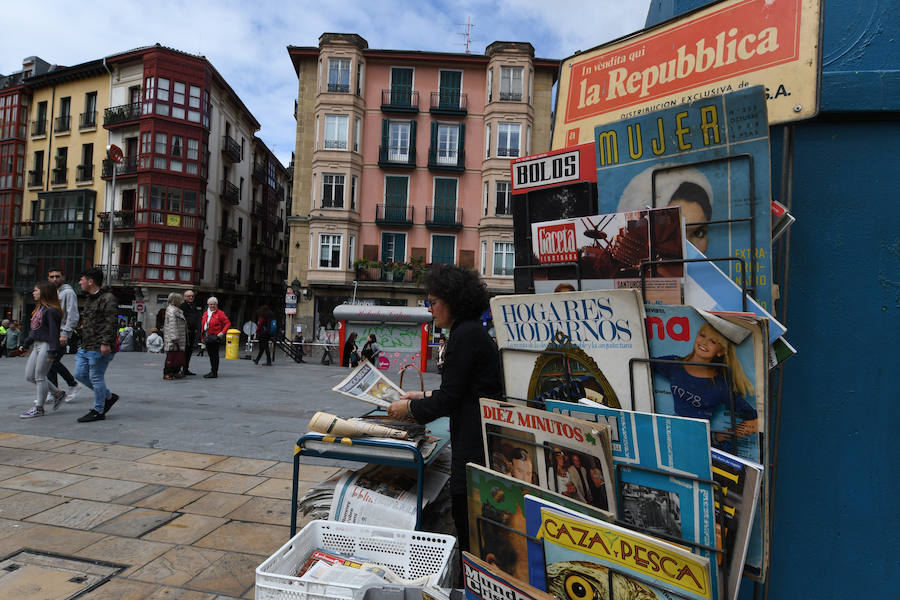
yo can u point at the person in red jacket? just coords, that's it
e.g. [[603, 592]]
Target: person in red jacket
[[213, 326]]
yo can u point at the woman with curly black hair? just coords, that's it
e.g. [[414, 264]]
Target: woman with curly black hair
[[456, 299]]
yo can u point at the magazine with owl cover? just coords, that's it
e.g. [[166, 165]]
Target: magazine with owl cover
[[670, 492], [711, 158], [564, 455], [545, 338], [587, 558], [736, 498], [610, 249], [484, 581], [682, 334], [497, 519]]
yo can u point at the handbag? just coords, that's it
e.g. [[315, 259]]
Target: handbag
[[211, 339], [174, 359]]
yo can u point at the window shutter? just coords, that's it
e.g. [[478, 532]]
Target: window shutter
[[462, 141], [385, 132], [412, 140], [434, 137]]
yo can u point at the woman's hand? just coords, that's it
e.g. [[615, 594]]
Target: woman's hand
[[400, 408]]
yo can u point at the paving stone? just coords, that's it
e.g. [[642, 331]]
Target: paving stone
[[99, 488], [172, 498], [279, 488], [80, 447], [246, 538], [136, 522], [232, 574], [42, 481], [7, 472], [4, 493], [19, 457], [34, 442], [48, 539], [190, 460], [60, 461], [170, 593], [121, 589], [243, 466], [216, 504], [23, 440], [135, 471], [316, 473], [25, 504], [146, 490], [186, 529], [120, 452], [282, 470], [125, 550], [229, 482], [264, 510], [79, 514], [178, 565]]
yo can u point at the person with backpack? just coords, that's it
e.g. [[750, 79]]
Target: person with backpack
[[264, 320], [351, 352], [371, 350]]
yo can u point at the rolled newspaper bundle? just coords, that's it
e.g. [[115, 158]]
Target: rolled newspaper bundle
[[334, 425]]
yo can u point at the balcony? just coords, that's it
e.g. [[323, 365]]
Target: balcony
[[35, 178], [264, 250], [58, 176], [39, 127], [54, 230], [167, 219], [84, 172], [228, 237], [128, 166], [227, 281], [400, 100], [116, 275], [445, 160], [449, 103], [231, 193], [397, 157], [258, 211], [88, 120], [259, 172], [124, 219], [337, 88], [261, 287], [62, 124], [122, 114], [231, 149], [393, 215], [443, 218], [510, 96]]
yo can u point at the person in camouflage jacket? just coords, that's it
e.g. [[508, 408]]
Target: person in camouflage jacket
[[98, 343]]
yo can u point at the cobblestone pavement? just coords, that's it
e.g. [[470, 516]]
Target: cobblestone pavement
[[180, 493]]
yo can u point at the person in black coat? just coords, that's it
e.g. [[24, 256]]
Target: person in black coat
[[193, 312], [457, 298]]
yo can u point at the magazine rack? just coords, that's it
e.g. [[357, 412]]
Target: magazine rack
[[395, 453]]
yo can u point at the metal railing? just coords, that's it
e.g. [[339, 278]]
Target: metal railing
[[54, 229], [449, 103], [87, 120], [438, 217], [338, 88], [62, 123], [397, 156], [128, 166], [117, 274], [453, 161], [84, 172], [124, 219], [230, 192], [59, 175], [231, 149], [510, 96], [229, 237], [39, 127], [390, 214], [35, 178], [400, 100], [227, 281], [121, 113]]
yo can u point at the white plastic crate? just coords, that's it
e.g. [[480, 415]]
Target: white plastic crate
[[409, 554]]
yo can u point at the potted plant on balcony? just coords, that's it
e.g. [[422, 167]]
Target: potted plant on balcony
[[394, 271], [367, 270]]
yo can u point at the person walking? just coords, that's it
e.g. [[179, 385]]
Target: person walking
[[140, 338], [13, 339], [69, 303], [371, 350], [98, 343], [175, 335], [264, 318], [351, 352], [44, 337], [213, 326], [193, 313]]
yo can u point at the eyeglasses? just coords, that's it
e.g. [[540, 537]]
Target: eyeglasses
[[433, 301]]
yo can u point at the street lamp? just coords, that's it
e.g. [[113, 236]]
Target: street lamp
[[115, 155]]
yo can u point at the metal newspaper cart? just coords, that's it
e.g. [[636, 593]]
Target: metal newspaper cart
[[396, 453]]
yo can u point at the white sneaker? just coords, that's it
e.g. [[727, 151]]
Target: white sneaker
[[72, 393]]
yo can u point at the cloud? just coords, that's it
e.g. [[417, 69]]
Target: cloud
[[246, 42]]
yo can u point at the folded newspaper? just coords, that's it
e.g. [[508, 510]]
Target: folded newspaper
[[327, 567], [368, 384], [322, 422]]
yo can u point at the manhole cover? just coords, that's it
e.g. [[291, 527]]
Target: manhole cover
[[33, 575]]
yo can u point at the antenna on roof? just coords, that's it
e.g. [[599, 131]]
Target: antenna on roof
[[467, 33]]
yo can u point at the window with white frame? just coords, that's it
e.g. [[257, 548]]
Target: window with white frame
[[484, 258], [398, 141], [336, 132], [351, 251], [504, 259], [329, 251], [511, 84], [354, 186], [487, 195], [508, 139], [339, 75], [332, 190], [487, 140], [447, 144], [504, 198], [357, 133]]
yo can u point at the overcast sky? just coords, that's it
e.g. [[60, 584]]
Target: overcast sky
[[246, 41]]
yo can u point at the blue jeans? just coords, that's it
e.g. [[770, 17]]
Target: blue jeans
[[90, 367]]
